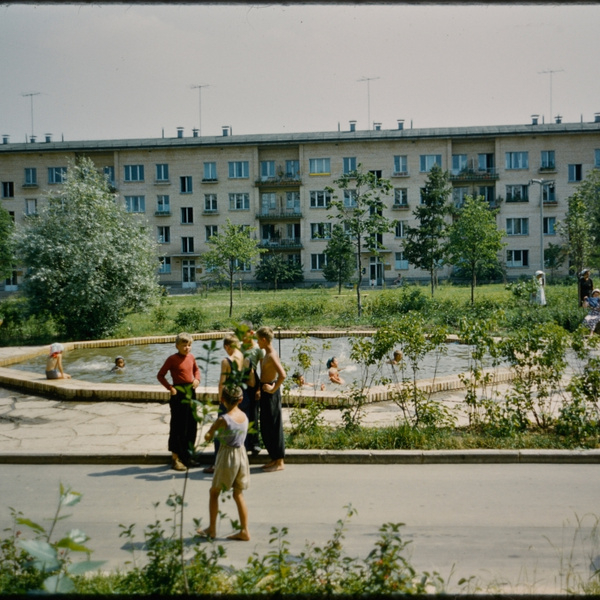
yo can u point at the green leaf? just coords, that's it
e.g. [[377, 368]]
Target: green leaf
[[59, 584], [85, 566], [44, 555], [31, 524], [71, 545]]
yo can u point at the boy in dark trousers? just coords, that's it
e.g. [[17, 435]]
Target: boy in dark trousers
[[185, 375]]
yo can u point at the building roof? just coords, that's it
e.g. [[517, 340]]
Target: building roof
[[275, 139]]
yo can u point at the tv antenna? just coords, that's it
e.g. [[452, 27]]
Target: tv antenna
[[550, 72], [199, 88], [368, 80], [31, 95]]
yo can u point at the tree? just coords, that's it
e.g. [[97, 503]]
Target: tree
[[88, 261], [360, 214], [425, 245], [554, 257], [7, 227], [277, 269], [577, 231], [231, 251], [474, 239], [341, 261], [589, 192]]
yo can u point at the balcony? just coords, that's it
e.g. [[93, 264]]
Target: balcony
[[400, 206], [548, 168], [279, 215], [281, 244], [210, 211], [210, 180], [283, 180], [162, 213], [489, 174], [400, 174]]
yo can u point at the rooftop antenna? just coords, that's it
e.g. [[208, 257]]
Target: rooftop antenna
[[199, 88], [550, 72], [31, 95], [368, 80]]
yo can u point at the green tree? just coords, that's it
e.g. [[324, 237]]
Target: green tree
[[589, 191], [6, 251], [425, 245], [474, 239], [230, 251], [277, 269], [577, 230], [340, 257], [88, 262], [554, 257], [360, 214]]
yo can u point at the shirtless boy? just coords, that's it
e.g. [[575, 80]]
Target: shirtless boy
[[272, 375]]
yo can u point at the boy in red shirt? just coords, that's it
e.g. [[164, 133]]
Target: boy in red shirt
[[186, 378]]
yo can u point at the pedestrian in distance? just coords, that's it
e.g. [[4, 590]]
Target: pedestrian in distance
[[185, 378], [585, 285]]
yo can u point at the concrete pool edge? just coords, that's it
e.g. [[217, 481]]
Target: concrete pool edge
[[81, 390]]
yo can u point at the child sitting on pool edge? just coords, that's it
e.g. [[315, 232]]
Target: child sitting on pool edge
[[54, 367]]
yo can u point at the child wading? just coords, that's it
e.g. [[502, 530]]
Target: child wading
[[232, 469], [186, 378]]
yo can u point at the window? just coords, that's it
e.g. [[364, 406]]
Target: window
[[31, 206], [267, 169], [318, 262], [401, 227], [109, 173], [187, 215], [349, 165], [134, 172], [210, 231], [349, 198], [239, 169], [162, 172], [320, 199], [320, 231], [486, 162], [210, 171], [164, 235], [517, 193], [428, 160], [57, 174], [517, 226], [548, 193], [517, 258], [210, 203], [597, 159], [319, 166], [165, 265], [400, 197], [292, 202], [549, 225], [575, 173], [488, 192], [547, 161], [400, 263], [517, 160], [292, 168], [459, 163], [185, 184], [187, 245], [135, 204], [239, 201], [30, 176], [163, 205], [239, 265], [8, 189], [400, 165], [459, 194]]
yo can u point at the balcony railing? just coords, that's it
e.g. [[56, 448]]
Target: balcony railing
[[285, 180], [210, 211], [549, 168], [400, 174], [404, 206], [279, 215], [475, 175], [281, 243], [162, 213]]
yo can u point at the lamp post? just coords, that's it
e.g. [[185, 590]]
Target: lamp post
[[541, 183]]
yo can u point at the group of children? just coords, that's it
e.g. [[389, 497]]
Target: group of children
[[229, 432]]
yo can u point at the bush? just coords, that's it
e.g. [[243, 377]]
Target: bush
[[190, 319]]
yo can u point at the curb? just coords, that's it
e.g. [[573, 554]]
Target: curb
[[358, 457]]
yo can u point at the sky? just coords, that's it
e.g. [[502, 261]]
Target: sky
[[114, 71]]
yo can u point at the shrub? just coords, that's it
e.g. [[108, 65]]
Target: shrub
[[190, 319]]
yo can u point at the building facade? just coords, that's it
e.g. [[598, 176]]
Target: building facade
[[186, 187]]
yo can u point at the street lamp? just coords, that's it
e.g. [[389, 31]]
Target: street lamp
[[542, 183]]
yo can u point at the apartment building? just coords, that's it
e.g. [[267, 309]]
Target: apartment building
[[185, 187]]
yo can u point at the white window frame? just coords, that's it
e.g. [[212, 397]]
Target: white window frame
[[210, 230], [239, 201], [163, 234], [400, 229], [517, 226], [185, 184], [210, 171], [349, 164], [400, 164], [459, 163], [30, 176], [267, 170], [318, 262], [135, 204], [549, 225], [292, 168], [56, 175], [187, 215], [210, 203], [187, 244], [8, 189], [239, 169], [320, 231], [165, 265], [319, 166], [400, 263], [30, 206], [426, 162], [547, 159], [350, 198], [516, 161], [575, 173], [320, 199], [162, 172], [134, 173], [400, 197], [163, 204], [517, 259], [517, 193]]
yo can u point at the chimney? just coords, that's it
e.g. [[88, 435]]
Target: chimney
[[377, 126], [558, 119], [352, 125], [534, 119], [180, 132], [48, 137], [5, 138], [400, 123], [32, 139], [596, 117], [226, 130], [195, 132]]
